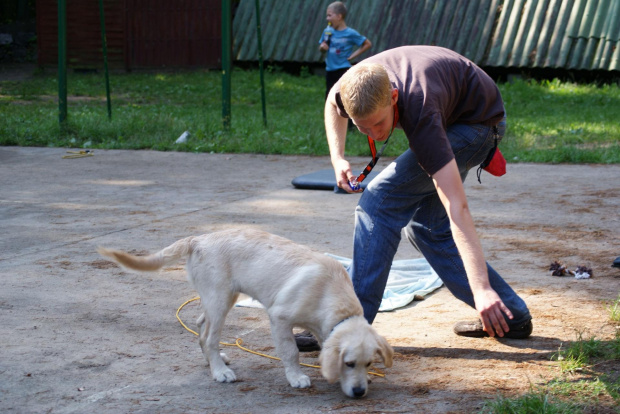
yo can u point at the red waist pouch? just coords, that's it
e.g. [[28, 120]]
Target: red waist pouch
[[497, 164], [494, 164]]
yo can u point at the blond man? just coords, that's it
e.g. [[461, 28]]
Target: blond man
[[453, 116]]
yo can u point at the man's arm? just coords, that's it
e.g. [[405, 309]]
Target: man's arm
[[336, 131], [488, 303], [364, 47]]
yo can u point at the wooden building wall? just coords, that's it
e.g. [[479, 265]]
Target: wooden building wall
[[140, 33]]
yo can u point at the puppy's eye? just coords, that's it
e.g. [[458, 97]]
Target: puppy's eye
[[368, 365], [350, 364]]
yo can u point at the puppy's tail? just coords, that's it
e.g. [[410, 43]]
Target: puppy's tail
[[152, 262]]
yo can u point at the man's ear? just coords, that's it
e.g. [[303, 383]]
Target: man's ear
[[394, 96]]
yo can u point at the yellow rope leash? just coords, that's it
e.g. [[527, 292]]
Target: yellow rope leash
[[239, 342], [79, 154]]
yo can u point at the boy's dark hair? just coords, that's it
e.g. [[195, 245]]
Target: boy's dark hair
[[338, 7]]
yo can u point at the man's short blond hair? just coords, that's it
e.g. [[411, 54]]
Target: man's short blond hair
[[365, 88]]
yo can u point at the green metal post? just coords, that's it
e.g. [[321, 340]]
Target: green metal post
[[260, 62], [62, 61], [226, 61], [104, 44]]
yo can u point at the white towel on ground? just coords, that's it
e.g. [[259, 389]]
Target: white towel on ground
[[407, 279]]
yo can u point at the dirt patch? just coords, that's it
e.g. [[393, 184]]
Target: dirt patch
[[52, 98], [103, 264], [80, 334]]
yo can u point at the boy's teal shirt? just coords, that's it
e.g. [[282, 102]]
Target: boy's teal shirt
[[341, 44]]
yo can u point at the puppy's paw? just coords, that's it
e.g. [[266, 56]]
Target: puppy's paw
[[224, 375], [299, 381]]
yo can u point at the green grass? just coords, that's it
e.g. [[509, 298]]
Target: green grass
[[614, 310], [153, 110], [549, 122], [534, 402], [588, 382], [557, 122], [579, 353]]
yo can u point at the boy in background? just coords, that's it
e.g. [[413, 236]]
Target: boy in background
[[338, 41]]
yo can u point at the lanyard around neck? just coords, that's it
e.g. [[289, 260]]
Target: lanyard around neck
[[373, 150]]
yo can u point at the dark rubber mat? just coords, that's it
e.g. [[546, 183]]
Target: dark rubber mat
[[325, 180]]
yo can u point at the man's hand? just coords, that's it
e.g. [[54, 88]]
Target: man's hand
[[323, 47], [342, 169], [492, 310]]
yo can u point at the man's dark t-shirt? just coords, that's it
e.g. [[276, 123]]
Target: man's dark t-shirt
[[436, 88]]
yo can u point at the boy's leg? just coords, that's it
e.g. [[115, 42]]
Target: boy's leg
[[331, 77]]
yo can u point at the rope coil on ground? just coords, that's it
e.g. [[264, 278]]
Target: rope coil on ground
[[79, 154], [239, 342]]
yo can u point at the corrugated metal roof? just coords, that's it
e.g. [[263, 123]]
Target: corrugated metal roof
[[572, 34]]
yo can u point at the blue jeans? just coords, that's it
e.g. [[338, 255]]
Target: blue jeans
[[404, 196]]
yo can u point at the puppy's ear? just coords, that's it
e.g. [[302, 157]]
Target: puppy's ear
[[385, 351], [330, 362]]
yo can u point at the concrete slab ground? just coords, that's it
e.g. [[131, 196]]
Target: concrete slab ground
[[78, 334]]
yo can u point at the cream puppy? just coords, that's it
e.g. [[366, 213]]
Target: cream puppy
[[298, 287]]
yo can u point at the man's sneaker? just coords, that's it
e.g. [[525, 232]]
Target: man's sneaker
[[473, 329], [306, 342]]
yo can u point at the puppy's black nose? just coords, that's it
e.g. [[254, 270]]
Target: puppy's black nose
[[359, 392]]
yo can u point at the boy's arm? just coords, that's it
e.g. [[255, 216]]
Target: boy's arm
[[364, 47], [323, 45]]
